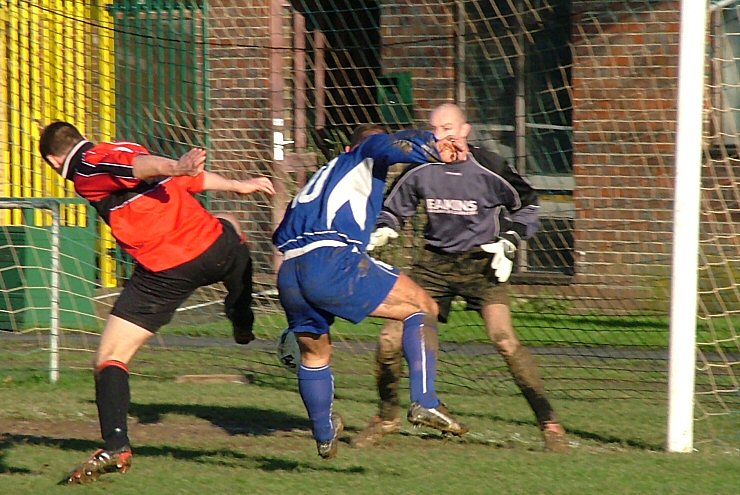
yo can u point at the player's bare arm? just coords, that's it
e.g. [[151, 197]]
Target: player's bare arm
[[216, 182], [191, 163]]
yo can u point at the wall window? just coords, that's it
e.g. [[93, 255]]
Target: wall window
[[725, 71], [518, 98]]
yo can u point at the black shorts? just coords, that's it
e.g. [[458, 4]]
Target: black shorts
[[467, 275], [150, 299]]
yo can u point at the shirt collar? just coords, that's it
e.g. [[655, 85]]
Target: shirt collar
[[74, 157]]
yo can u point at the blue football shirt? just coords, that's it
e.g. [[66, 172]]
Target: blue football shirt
[[341, 202]]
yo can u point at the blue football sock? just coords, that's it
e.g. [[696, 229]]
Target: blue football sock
[[316, 386], [422, 361]]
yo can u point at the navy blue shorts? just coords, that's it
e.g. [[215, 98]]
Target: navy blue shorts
[[150, 299], [332, 281]]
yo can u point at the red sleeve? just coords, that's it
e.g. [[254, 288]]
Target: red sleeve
[[116, 159], [193, 185], [107, 167]]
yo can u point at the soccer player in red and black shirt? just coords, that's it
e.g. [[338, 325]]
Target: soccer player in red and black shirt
[[148, 201]]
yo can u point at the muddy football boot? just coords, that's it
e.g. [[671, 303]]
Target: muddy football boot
[[438, 418], [100, 462], [328, 449], [376, 430]]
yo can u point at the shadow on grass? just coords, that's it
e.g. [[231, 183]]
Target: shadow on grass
[[215, 457], [281, 464], [579, 433], [6, 443], [233, 420]]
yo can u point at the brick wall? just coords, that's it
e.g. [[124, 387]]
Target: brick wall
[[239, 114], [624, 90], [418, 37], [624, 99], [239, 74]]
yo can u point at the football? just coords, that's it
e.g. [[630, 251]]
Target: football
[[288, 352]]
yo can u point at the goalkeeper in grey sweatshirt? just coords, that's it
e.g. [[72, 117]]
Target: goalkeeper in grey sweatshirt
[[478, 210]]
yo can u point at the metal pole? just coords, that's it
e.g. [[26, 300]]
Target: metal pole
[[277, 87], [686, 226], [301, 100], [520, 126], [55, 267], [461, 96], [54, 207], [320, 78]]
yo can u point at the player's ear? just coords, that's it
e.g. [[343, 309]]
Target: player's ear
[[346, 149], [465, 130], [55, 162]]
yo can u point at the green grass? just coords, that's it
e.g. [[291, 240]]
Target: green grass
[[535, 328], [194, 438]]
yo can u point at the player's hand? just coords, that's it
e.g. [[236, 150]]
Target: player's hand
[[191, 163], [380, 237], [452, 149], [258, 184], [503, 252]]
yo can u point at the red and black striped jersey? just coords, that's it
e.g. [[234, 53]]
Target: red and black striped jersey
[[157, 221]]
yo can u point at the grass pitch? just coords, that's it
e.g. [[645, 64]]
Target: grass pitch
[[253, 436]]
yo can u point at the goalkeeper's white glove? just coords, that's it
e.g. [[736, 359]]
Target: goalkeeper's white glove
[[503, 252], [380, 237]]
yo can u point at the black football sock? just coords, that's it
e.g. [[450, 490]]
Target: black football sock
[[113, 396]]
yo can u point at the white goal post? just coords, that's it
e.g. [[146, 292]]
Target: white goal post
[[684, 278]]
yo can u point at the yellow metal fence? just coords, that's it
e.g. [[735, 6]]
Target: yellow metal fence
[[57, 62]]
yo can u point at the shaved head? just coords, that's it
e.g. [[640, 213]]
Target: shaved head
[[448, 111], [448, 119]]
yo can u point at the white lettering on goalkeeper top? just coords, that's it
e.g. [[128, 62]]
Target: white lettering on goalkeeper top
[[451, 206]]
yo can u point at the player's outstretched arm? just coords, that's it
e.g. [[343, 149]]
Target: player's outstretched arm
[[191, 163], [409, 146], [216, 182]]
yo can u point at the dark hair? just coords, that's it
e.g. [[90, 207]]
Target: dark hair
[[58, 138], [364, 131]]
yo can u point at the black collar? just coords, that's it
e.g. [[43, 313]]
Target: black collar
[[74, 158]]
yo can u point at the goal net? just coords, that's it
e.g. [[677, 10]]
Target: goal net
[[578, 95]]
